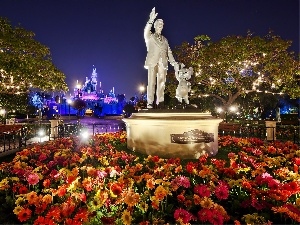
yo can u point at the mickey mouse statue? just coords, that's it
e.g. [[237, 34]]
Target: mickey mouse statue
[[184, 86]]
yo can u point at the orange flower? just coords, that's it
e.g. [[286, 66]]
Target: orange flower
[[154, 202], [87, 184], [160, 192], [47, 199], [32, 198], [131, 198], [24, 214], [61, 191], [204, 172], [197, 199], [46, 183], [150, 183]]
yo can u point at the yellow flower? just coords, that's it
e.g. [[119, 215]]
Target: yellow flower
[[19, 201], [4, 184], [14, 179], [143, 206], [17, 209], [126, 217], [298, 202]]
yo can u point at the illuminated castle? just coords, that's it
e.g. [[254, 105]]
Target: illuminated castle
[[95, 98], [89, 91]]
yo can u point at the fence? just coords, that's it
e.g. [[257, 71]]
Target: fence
[[269, 133], [12, 140], [20, 136]]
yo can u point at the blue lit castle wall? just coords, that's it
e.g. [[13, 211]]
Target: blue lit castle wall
[[97, 101]]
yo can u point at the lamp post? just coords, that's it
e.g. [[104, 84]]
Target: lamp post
[[142, 89]]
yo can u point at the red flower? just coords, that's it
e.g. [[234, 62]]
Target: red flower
[[182, 214], [61, 191], [107, 220], [180, 198], [54, 213], [216, 218], [46, 183], [24, 214], [116, 189], [82, 215], [204, 214], [190, 167], [43, 221], [222, 191], [202, 190]]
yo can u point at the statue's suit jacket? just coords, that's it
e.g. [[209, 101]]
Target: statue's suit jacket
[[158, 50]]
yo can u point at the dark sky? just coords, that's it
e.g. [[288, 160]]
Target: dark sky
[[109, 33]]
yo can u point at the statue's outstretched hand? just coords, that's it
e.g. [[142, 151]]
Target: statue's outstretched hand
[[152, 16]]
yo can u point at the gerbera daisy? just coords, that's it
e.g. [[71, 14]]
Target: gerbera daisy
[[183, 215], [43, 221], [126, 217], [24, 214], [131, 198], [33, 178], [160, 192], [17, 209], [32, 198]]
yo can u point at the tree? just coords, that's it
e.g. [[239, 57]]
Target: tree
[[237, 66], [79, 105], [25, 63]]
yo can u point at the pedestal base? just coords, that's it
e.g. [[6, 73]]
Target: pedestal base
[[170, 135]]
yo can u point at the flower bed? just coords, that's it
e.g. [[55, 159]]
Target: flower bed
[[71, 182]]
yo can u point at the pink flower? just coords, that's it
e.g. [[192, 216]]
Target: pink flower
[[222, 191], [33, 178], [182, 214], [181, 181]]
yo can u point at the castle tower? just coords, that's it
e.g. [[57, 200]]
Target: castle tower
[[94, 79]]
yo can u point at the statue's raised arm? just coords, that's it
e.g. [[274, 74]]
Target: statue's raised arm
[[152, 16]]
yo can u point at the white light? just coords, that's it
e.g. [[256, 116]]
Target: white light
[[219, 109], [232, 108], [84, 134], [41, 133]]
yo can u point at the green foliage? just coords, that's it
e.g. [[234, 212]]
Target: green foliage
[[25, 63], [237, 66], [26, 60]]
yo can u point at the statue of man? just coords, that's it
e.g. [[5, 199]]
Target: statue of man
[[159, 53]]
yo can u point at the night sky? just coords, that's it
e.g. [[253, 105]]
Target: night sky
[[109, 33]]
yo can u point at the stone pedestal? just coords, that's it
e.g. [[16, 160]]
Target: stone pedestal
[[271, 130], [54, 128], [186, 135]]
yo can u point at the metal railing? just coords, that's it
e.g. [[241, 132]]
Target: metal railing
[[280, 132], [11, 142], [34, 133]]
